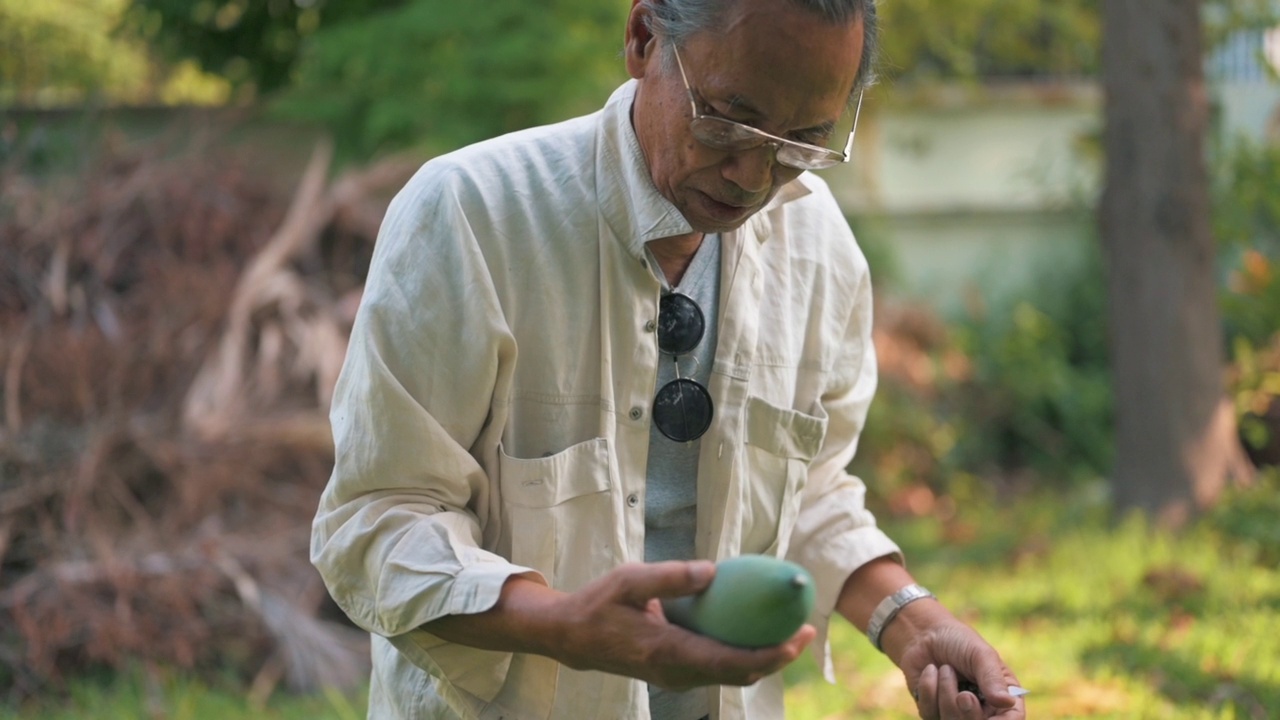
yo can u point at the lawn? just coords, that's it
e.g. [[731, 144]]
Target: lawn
[[1099, 619]]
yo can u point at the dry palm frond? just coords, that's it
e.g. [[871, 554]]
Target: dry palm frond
[[316, 654], [170, 331]]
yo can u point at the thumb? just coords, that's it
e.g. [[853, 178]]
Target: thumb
[[994, 679], [641, 582]]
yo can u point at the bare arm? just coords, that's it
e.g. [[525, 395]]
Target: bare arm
[[616, 625], [932, 647]]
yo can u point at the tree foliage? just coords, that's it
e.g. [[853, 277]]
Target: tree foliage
[[1222, 17], [385, 74], [440, 70], [62, 48], [948, 40], [250, 42]]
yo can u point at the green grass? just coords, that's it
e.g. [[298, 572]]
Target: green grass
[[169, 695], [1098, 620]]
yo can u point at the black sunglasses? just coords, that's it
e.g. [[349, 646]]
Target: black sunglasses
[[682, 408]]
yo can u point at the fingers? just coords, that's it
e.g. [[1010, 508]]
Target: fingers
[[622, 620], [949, 693], [943, 660], [939, 697], [640, 582], [713, 662], [926, 693], [995, 684]]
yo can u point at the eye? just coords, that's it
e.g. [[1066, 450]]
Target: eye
[[714, 112]]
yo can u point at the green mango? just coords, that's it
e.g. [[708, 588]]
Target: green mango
[[753, 601]]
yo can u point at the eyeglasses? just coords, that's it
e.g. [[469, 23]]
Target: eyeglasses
[[682, 408], [729, 136]]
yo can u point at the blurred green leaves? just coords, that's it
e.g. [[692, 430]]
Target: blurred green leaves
[[384, 75], [249, 42], [59, 48], [440, 73], [1040, 396], [1247, 224], [948, 40]]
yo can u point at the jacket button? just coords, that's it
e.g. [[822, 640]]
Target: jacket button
[[633, 500], [650, 326], [636, 413]]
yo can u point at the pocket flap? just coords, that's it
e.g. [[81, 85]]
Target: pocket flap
[[547, 481], [782, 432]]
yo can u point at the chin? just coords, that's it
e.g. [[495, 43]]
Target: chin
[[721, 228]]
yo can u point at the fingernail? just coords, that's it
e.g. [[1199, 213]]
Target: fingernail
[[702, 570], [965, 702]]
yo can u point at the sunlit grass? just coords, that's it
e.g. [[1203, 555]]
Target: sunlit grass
[[1098, 620], [140, 695]]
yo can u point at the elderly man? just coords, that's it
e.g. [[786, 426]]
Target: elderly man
[[595, 357]]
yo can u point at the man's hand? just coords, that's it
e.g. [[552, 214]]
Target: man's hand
[[935, 662], [615, 625], [935, 651]]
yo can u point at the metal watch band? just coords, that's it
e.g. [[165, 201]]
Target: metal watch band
[[889, 608]]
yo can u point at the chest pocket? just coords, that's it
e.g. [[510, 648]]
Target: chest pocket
[[780, 443], [559, 514]]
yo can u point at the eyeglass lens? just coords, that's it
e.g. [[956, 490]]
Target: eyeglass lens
[[682, 408], [729, 136]]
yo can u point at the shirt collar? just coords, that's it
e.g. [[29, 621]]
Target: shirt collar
[[633, 208]]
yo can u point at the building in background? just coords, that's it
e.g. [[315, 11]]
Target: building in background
[[1242, 73], [975, 192]]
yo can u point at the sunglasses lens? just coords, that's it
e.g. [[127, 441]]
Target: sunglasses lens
[[680, 324], [682, 410]]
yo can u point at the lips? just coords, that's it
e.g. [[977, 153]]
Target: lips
[[731, 204], [737, 204], [723, 212]]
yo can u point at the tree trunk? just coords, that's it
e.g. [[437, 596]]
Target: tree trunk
[[1176, 440]]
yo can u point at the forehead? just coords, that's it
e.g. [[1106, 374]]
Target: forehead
[[782, 60]]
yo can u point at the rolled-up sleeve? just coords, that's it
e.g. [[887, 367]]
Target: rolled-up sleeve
[[398, 534], [835, 534]]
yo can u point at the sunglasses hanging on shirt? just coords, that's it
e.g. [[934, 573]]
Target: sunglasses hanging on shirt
[[682, 408]]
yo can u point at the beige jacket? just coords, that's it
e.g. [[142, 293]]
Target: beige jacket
[[492, 414]]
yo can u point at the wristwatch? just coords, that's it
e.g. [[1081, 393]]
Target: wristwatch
[[889, 608]]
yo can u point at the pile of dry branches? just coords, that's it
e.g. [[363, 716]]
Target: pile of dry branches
[[170, 329]]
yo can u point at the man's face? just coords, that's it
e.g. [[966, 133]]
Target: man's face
[[775, 67]]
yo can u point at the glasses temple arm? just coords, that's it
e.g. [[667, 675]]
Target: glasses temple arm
[[857, 111], [693, 106]]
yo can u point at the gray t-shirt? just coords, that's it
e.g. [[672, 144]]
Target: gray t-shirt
[[671, 478]]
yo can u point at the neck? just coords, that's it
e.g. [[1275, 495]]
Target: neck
[[674, 254]]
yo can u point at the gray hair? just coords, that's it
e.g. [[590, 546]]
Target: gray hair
[[678, 20]]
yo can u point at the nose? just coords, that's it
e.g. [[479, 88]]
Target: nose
[[752, 170]]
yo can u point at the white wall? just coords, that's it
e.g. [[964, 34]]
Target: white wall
[[979, 189]]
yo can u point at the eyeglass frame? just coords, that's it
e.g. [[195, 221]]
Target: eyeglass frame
[[778, 143]]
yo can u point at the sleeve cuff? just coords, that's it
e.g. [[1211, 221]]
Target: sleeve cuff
[[481, 673], [831, 566]]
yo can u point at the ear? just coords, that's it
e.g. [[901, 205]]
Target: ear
[[641, 44]]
